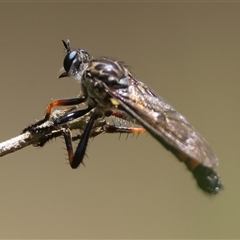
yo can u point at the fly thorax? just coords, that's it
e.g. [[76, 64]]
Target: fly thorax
[[102, 76]]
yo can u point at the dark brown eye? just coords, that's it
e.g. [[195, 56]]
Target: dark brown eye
[[68, 60]]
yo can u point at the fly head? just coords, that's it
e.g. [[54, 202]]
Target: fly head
[[74, 61]]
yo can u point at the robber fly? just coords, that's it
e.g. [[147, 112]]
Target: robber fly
[[109, 89]]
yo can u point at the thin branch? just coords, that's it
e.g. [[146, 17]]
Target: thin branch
[[26, 139]]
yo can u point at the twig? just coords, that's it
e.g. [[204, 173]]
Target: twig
[[26, 139]]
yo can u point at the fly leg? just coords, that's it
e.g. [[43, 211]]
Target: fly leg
[[122, 115], [75, 159], [59, 102], [55, 131], [48, 137], [110, 128]]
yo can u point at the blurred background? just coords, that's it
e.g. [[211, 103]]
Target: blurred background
[[189, 53]]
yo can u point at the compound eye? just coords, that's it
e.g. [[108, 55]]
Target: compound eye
[[68, 60]]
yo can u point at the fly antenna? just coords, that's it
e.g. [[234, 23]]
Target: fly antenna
[[67, 45]]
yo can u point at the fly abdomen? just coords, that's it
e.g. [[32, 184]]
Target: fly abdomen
[[207, 179]]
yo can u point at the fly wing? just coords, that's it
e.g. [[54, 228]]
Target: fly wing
[[163, 122]]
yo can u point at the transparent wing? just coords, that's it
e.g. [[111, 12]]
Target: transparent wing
[[163, 122]]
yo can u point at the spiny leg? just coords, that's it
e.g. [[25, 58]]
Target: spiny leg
[[48, 137], [75, 159], [71, 116], [59, 102], [105, 127], [109, 128], [54, 131], [122, 115]]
